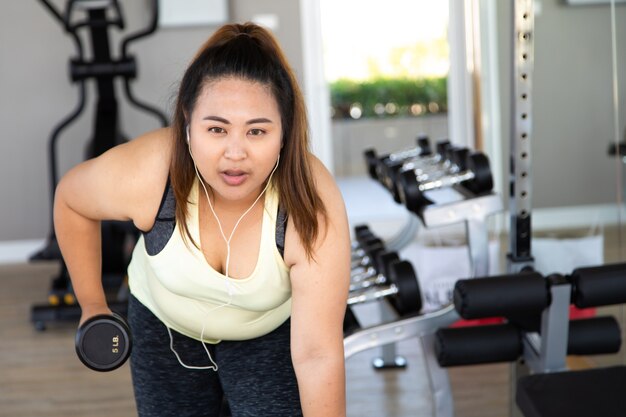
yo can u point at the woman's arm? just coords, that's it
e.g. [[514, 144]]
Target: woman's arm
[[319, 294], [121, 184]]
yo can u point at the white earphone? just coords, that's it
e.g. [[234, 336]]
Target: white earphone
[[229, 285]]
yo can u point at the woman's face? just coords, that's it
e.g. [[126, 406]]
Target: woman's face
[[235, 134]]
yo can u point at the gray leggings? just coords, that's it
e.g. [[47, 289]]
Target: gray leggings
[[255, 376]]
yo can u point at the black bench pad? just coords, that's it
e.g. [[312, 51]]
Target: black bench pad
[[589, 393]]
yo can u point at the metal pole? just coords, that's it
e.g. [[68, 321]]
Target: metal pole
[[522, 59], [521, 132]]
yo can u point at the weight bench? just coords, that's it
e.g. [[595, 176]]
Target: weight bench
[[589, 393], [539, 333]]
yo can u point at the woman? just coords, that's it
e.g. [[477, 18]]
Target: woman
[[240, 277]]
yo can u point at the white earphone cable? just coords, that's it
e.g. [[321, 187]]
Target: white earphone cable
[[226, 269]]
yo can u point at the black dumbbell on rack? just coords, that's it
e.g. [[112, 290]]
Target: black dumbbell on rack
[[373, 160], [474, 174], [422, 150], [365, 247], [454, 162], [376, 162], [103, 342], [363, 244], [363, 236], [360, 231], [389, 169], [402, 290], [448, 164], [433, 165], [376, 274], [365, 255]]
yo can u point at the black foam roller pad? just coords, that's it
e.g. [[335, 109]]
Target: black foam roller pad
[[599, 285], [594, 336], [592, 392], [518, 295], [478, 344]]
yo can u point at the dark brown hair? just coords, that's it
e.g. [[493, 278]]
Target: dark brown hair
[[252, 53]]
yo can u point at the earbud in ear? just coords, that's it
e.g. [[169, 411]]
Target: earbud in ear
[[187, 130]]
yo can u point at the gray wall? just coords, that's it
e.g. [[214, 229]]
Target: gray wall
[[572, 101], [352, 137], [35, 93]]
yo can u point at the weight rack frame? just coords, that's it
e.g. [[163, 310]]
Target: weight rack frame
[[473, 211]]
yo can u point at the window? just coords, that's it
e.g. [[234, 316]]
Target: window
[[386, 65]]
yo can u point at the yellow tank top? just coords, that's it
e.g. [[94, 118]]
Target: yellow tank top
[[186, 293]]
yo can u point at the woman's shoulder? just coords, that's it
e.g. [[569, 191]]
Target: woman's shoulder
[[124, 183], [149, 155], [156, 143], [146, 160]]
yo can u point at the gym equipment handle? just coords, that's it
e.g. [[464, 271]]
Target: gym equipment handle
[[599, 286], [503, 342], [81, 70], [504, 295]]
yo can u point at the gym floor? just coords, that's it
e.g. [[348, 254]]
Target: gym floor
[[41, 375]]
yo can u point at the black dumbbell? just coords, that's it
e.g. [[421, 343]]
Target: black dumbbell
[[361, 247], [361, 229], [424, 160], [453, 162], [375, 275], [363, 241], [103, 342], [388, 173], [437, 163], [364, 257], [476, 177], [402, 289], [375, 162], [362, 233], [422, 150], [378, 261], [364, 245]]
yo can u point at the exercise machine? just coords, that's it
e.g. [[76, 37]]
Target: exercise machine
[[94, 19], [538, 335]]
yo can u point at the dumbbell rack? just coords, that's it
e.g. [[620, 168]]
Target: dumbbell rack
[[473, 211], [389, 357]]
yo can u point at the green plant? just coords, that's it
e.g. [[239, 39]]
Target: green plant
[[388, 97]]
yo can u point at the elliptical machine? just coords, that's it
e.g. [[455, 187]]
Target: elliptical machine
[[104, 69]]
